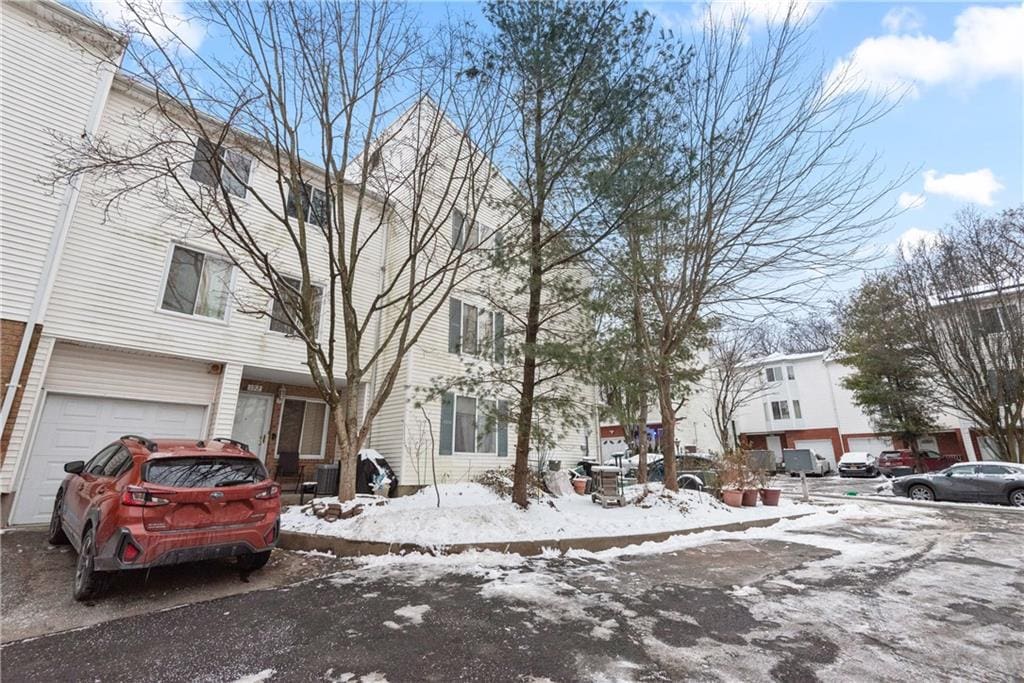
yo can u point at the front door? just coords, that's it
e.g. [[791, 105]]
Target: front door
[[775, 446], [252, 421]]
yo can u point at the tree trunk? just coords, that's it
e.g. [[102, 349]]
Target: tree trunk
[[668, 429], [527, 390], [641, 462], [345, 454]]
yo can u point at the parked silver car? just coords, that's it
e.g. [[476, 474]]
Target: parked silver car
[[976, 482]]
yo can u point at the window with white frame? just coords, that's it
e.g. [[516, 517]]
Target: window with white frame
[[780, 410], [796, 410], [990, 320], [475, 332], [290, 303], [313, 202], [197, 284], [789, 372], [302, 428], [465, 234], [773, 374], [473, 425], [211, 162]]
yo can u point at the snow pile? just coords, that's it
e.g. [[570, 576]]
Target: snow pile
[[474, 513]]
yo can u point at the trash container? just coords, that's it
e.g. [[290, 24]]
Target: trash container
[[327, 480]]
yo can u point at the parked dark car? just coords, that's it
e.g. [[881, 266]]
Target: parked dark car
[[902, 461], [138, 503], [983, 482], [692, 472]]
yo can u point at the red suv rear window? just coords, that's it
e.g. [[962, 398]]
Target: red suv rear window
[[204, 472]]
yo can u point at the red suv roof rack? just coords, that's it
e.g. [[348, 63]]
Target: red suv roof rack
[[243, 446], [149, 444]]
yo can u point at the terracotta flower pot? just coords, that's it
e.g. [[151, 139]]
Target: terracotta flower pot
[[771, 496], [749, 498], [579, 484], [732, 497]]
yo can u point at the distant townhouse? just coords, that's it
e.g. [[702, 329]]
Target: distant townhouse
[[127, 323], [805, 405]]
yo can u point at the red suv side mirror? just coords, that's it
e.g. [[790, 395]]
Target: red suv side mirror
[[74, 467]]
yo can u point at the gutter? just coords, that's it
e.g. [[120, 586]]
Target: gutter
[[55, 251]]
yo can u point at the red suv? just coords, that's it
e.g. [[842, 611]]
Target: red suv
[[139, 503], [902, 460]]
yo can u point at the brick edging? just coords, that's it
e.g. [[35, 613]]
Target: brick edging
[[343, 547]]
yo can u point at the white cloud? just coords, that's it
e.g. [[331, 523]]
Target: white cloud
[[754, 13], [902, 20], [915, 237], [986, 44], [976, 186], [167, 20], [909, 200]]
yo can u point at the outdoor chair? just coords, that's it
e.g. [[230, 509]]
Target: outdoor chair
[[288, 468]]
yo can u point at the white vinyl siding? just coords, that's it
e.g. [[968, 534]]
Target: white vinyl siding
[[48, 86], [94, 371]]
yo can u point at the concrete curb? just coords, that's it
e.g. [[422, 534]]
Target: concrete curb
[[893, 500], [343, 547]]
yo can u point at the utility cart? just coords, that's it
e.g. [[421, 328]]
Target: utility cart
[[607, 486]]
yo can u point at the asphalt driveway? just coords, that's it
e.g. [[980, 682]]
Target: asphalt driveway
[[35, 594], [875, 592]]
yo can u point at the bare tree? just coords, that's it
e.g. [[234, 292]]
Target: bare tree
[[777, 197], [347, 132], [731, 380], [965, 299]]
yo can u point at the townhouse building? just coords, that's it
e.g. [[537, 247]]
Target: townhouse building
[[804, 405], [118, 322]]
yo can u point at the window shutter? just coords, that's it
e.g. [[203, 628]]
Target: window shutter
[[447, 422], [454, 325], [499, 338], [502, 426]]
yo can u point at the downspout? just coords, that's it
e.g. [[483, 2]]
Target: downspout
[[832, 398], [55, 251], [380, 324]]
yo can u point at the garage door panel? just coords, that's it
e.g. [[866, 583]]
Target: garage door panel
[[869, 444], [66, 437], [822, 447], [80, 407], [77, 427]]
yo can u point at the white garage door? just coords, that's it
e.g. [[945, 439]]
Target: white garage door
[[77, 427], [822, 447], [870, 444]]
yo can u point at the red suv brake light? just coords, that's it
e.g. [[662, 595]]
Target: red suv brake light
[[272, 491], [140, 497]]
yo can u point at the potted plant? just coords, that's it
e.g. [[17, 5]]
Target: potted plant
[[769, 494], [733, 478]]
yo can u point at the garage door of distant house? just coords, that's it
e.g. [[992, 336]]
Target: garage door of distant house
[[870, 444], [77, 427], [822, 447]]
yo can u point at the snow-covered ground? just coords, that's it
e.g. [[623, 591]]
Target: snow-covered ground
[[473, 513]]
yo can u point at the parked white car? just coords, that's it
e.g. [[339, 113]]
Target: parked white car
[[858, 464]]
